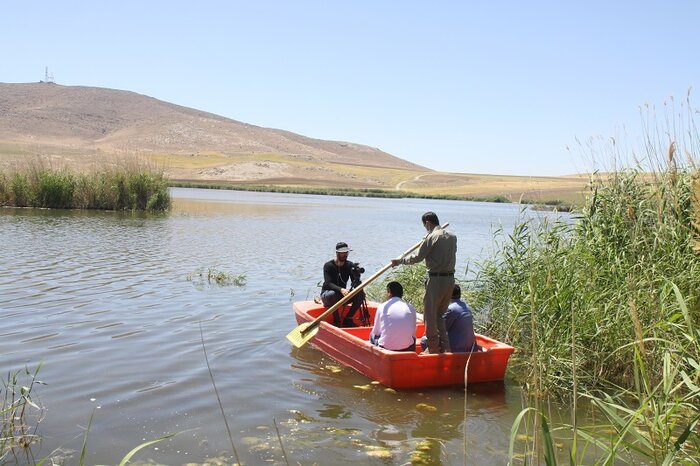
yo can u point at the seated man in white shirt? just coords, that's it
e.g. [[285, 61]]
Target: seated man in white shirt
[[395, 322]]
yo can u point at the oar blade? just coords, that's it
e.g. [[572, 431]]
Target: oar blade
[[302, 334]]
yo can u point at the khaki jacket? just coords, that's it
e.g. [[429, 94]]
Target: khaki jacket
[[439, 251]]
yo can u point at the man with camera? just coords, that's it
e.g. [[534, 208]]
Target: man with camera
[[336, 274]]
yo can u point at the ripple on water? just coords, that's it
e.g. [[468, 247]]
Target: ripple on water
[[103, 299], [40, 338]]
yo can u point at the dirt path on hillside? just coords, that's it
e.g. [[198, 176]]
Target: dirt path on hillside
[[415, 178]]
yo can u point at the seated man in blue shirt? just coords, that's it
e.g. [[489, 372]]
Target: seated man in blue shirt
[[395, 322], [460, 325]]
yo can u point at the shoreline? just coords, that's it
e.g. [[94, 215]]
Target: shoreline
[[367, 192]]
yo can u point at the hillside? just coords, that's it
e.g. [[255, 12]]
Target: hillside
[[88, 127], [74, 122]]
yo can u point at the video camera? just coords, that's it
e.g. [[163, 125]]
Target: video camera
[[355, 271], [352, 319]]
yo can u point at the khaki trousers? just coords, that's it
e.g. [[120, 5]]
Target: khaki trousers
[[438, 293]]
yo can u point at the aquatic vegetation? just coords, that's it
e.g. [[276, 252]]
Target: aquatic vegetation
[[279, 439], [426, 407], [363, 387], [427, 451], [606, 310], [333, 368], [127, 187], [379, 452], [649, 423], [654, 420], [20, 415], [599, 284], [214, 276]]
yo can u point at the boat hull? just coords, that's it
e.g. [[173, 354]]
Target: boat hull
[[404, 369]]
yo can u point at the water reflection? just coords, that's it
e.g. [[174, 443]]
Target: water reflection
[[208, 208], [333, 411]]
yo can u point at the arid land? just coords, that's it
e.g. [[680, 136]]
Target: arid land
[[87, 128]]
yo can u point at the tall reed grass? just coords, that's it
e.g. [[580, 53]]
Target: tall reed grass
[[411, 278], [610, 304], [131, 186], [615, 269], [20, 415]]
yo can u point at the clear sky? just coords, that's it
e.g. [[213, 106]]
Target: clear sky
[[461, 86]]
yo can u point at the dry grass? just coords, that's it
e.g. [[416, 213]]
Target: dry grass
[[568, 188], [279, 170]]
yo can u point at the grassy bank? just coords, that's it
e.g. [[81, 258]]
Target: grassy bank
[[121, 188]]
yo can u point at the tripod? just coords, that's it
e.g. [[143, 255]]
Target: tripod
[[359, 302]]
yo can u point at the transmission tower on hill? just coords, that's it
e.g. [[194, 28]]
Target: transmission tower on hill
[[47, 77]]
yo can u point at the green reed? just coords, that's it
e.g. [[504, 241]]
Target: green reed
[[627, 273], [130, 186], [609, 304], [616, 267], [411, 278], [20, 415], [657, 418], [648, 423]]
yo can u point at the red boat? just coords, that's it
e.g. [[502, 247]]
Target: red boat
[[403, 369]]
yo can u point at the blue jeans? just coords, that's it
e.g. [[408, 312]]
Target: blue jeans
[[330, 297]]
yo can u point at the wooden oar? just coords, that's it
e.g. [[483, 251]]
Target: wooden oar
[[306, 331]]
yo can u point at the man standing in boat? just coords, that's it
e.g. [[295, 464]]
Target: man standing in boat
[[459, 323], [439, 250], [336, 274]]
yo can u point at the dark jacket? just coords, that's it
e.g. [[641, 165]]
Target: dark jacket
[[335, 278]]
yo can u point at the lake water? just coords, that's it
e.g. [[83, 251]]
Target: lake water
[[108, 303]]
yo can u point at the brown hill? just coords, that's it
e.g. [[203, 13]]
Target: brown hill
[[76, 123], [88, 127]]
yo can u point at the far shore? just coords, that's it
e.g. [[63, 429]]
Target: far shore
[[543, 204], [275, 173]]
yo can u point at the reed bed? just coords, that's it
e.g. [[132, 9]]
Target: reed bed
[[613, 271], [608, 305], [130, 186]]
